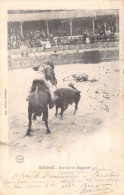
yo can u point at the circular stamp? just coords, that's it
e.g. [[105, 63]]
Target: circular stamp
[[19, 159]]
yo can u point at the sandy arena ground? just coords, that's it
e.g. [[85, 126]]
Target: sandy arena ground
[[90, 128]]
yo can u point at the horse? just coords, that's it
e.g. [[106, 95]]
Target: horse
[[67, 96], [38, 100]]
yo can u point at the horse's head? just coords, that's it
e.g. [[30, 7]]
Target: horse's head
[[50, 75]]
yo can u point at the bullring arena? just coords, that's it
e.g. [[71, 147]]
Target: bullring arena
[[76, 42]]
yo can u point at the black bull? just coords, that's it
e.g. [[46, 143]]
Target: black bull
[[67, 96]]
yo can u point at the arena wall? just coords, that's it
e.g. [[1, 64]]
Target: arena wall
[[88, 56]]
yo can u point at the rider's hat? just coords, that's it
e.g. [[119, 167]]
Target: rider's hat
[[50, 64], [36, 68]]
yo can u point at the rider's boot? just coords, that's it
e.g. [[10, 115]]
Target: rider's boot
[[52, 99], [27, 99], [51, 102], [30, 90], [27, 96]]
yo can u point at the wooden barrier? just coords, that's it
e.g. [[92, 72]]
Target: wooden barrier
[[91, 56]]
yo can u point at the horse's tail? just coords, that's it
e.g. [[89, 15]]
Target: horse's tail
[[38, 100], [36, 90], [34, 99]]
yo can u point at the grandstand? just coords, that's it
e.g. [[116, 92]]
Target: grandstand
[[60, 26], [61, 30]]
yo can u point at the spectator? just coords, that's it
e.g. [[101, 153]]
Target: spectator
[[59, 41], [71, 40], [48, 45], [87, 39], [108, 33], [55, 39]]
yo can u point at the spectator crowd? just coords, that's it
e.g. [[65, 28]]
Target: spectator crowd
[[38, 38]]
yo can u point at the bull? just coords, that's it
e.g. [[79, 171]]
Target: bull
[[67, 96]]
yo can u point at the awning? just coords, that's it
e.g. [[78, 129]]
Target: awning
[[19, 17]]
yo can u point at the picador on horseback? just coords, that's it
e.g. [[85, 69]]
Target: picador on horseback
[[41, 94], [45, 72]]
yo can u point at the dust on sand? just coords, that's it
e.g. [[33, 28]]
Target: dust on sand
[[98, 109]]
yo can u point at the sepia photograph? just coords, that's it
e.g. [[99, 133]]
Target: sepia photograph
[[63, 76], [62, 103]]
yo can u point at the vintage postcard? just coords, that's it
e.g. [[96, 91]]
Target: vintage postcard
[[61, 97]]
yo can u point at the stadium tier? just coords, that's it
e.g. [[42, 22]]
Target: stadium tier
[[47, 28]]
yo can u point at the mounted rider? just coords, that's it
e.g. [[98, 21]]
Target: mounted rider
[[44, 72]]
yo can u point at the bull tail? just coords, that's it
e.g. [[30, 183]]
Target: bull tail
[[77, 91], [73, 87]]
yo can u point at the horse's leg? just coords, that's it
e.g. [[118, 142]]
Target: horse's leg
[[76, 107], [30, 120], [62, 110], [34, 117], [56, 110], [45, 116]]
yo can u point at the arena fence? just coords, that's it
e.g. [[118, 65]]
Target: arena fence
[[79, 56], [59, 48]]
